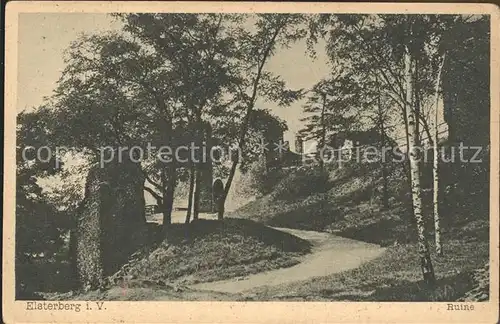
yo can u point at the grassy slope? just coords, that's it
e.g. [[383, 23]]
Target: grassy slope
[[137, 291], [343, 206], [395, 276], [206, 250], [201, 251]]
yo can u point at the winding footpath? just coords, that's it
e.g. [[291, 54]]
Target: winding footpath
[[330, 254]]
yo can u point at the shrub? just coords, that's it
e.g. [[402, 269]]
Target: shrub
[[301, 182], [259, 180]]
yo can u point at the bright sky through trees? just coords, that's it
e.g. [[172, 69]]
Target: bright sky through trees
[[43, 38]]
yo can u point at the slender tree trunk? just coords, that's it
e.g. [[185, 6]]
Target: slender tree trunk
[[416, 190], [246, 120], [406, 165], [322, 142], [407, 138], [437, 225], [418, 112], [385, 189], [220, 209], [192, 169], [168, 179], [191, 191], [416, 95], [168, 196], [164, 184], [197, 192], [200, 133]]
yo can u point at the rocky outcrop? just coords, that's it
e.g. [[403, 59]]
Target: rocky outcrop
[[110, 222]]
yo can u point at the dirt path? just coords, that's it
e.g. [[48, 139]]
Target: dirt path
[[330, 254]]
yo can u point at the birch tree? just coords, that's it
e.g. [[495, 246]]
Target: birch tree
[[413, 150], [435, 166]]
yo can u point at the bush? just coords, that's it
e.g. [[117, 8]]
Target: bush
[[259, 180], [465, 187], [300, 183]]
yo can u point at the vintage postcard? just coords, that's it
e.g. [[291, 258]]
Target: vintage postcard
[[247, 162]]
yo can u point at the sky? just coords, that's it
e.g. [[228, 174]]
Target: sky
[[43, 38]]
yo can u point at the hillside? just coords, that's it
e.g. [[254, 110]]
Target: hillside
[[347, 202], [207, 250], [203, 251]]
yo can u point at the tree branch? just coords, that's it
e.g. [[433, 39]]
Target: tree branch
[[156, 185], [153, 193], [251, 103]]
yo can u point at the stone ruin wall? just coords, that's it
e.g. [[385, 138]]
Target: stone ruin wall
[[110, 222]]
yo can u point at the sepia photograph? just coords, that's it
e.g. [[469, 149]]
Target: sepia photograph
[[252, 156]]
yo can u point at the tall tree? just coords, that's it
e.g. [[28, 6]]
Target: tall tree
[[332, 108], [413, 150], [272, 31], [201, 49], [322, 141], [388, 45], [39, 224], [381, 123], [435, 166], [109, 85]]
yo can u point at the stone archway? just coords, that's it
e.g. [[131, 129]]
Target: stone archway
[[218, 193]]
